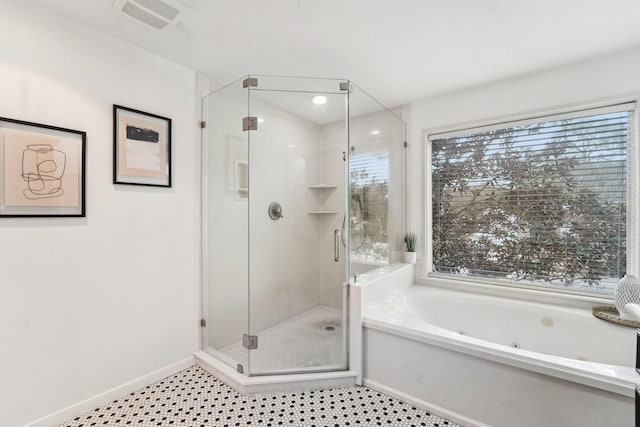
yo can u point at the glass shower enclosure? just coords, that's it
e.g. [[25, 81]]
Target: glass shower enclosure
[[277, 209]]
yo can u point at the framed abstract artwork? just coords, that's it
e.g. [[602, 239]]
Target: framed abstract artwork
[[141, 148], [42, 170]]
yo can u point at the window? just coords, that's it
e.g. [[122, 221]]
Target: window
[[541, 202], [369, 172]]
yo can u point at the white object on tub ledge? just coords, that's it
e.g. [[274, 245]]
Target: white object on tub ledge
[[627, 292], [633, 310]]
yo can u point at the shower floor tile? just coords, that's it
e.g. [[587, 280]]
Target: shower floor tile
[[311, 340], [195, 398]]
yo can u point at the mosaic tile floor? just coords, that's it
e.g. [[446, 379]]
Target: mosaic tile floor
[[195, 398]]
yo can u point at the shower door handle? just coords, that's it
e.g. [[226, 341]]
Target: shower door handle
[[336, 245]]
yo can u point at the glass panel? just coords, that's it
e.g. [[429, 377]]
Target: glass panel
[[225, 254], [377, 182], [277, 199], [297, 160], [300, 84]]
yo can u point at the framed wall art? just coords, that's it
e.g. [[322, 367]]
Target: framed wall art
[[42, 170], [141, 148]]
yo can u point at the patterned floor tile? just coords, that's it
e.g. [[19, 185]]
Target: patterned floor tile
[[195, 398]]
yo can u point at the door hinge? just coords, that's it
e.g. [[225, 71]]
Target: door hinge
[[249, 123], [250, 341], [203, 322], [406, 144], [250, 82], [203, 124], [346, 86]]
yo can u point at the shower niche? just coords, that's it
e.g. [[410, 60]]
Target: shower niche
[[278, 192]]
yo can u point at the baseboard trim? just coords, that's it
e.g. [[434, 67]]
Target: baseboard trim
[[422, 404], [87, 405]]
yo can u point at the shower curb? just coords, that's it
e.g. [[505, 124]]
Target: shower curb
[[273, 383]]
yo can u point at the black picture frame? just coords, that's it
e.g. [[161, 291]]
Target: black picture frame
[[141, 148], [42, 170]]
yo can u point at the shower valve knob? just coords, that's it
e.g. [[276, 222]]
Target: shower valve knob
[[275, 211]]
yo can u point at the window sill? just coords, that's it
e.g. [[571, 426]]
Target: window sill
[[516, 291]]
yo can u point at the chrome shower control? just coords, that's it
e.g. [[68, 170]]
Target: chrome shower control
[[275, 211]]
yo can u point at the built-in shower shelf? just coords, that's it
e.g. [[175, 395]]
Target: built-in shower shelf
[[322, 212], [322, 186], [318, 207]]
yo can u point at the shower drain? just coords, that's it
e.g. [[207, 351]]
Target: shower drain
[[327, 326]]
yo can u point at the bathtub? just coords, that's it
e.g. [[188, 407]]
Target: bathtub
[[489, 360]]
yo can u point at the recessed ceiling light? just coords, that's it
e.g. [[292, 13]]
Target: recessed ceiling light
[[319, 99], [375, 132], [260, 120], [291, 146]]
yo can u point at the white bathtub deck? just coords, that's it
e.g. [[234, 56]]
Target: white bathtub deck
[[434, 365]]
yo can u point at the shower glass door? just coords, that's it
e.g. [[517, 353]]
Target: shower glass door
[[225, 216], [297, 246]]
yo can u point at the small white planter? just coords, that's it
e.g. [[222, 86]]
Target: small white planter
[[410, 257]]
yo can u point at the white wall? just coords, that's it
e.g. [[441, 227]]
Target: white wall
[[605, 77], [88, 305]]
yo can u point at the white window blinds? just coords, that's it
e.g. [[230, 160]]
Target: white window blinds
[[543, 201]]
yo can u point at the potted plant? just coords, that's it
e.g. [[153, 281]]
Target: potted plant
[[410, 244]]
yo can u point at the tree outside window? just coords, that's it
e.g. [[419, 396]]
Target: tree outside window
[[543, 203]]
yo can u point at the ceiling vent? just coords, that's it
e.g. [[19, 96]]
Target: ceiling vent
[[156, 14]]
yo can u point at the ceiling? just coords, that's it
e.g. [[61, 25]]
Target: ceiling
[[397, 50]]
